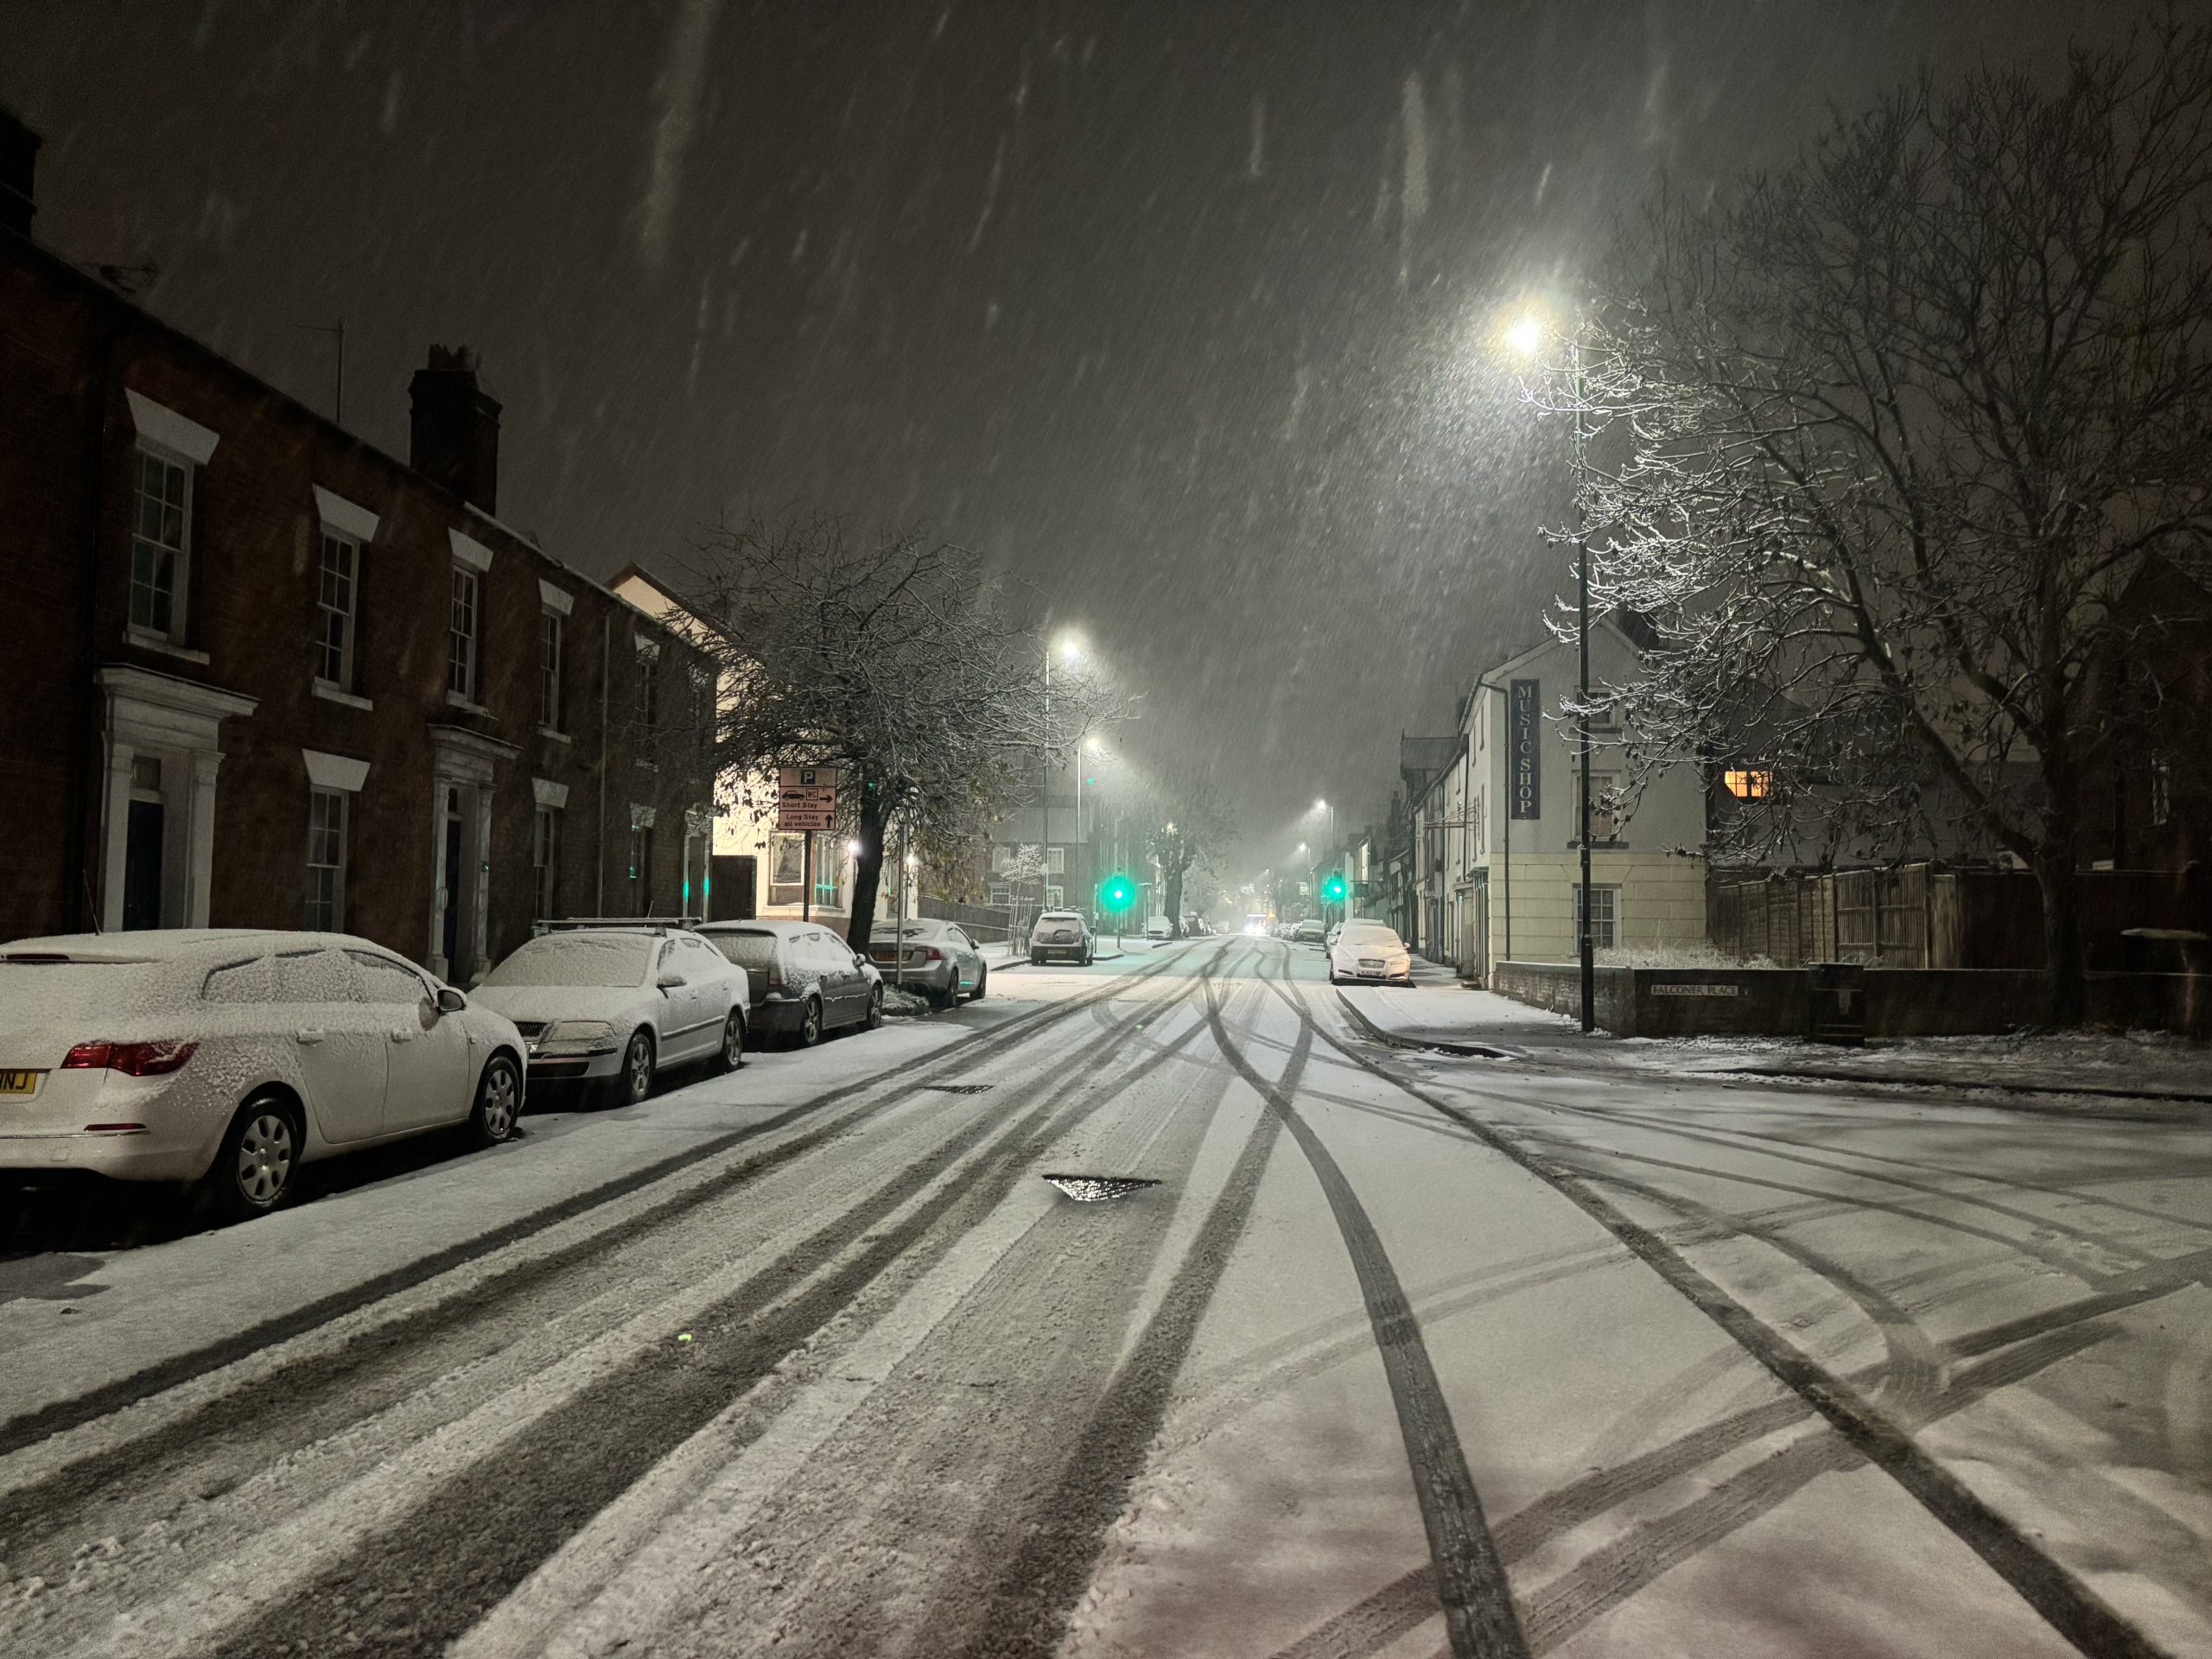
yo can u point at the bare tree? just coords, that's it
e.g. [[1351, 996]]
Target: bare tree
[[1888, 432], [891, 660], [1187, 826]]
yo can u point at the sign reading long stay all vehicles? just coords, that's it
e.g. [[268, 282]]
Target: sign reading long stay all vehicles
[[806, 799], [1524, 731]]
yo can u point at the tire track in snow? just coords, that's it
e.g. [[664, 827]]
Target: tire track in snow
[[31, 1427], [1024, 1615], [2068, 1604], [429, 1573], [1469, 1579]]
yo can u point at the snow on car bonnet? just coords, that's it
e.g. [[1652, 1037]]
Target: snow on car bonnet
[[575, 959]]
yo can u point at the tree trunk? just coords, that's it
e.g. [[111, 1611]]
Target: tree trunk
[[867, 869], [2065, 956], [1174, 904]]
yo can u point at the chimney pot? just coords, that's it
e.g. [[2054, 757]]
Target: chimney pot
[[454, 432]]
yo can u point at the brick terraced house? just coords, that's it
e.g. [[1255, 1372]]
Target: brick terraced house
[[258, 673]]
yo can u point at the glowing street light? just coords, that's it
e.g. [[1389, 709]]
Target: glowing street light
[[1526, 334]]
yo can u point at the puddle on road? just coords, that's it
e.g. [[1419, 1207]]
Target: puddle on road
[[1096, 1189]]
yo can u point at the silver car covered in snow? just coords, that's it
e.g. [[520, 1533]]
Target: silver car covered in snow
[[609, 1006]]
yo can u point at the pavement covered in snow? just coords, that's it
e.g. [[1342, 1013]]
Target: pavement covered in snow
[[1399, 1352]]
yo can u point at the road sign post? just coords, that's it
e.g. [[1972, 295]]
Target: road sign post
[[806, 805]]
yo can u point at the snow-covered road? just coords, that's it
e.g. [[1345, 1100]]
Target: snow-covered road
[[1403, 1355]]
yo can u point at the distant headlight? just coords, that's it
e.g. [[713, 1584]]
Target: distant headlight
[[576, 1037]]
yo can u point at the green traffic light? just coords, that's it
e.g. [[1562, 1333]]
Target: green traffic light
[[1333, 889], [1118, 892]]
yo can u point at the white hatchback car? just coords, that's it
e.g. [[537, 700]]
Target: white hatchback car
[[610, 1005], [230, 1058], [1369, 950]]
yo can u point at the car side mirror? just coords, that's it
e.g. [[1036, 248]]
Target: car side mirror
[[450, 1000], [669, 980]]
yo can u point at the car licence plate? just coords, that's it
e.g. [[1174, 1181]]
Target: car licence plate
[[18, 1083], [1369, 963]]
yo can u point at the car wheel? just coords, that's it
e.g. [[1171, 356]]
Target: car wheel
[[731, 1054], [982, 975], [499, 1102], [951, 994], [875, 1009], [635, 1081], [257, 1168], [809, 1025]]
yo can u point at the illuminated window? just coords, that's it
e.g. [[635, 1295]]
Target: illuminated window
[[1749, 783]]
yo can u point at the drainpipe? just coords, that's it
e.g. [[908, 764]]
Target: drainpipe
[[606, 666], [76, 895]]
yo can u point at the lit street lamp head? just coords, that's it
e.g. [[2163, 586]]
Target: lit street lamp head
[[1525, 334]]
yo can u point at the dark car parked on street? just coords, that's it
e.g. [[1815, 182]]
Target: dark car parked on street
[[805, 980]]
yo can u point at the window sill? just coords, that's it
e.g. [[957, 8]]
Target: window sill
[[146, 640], [330, 693], [552, 736], [454, 700]]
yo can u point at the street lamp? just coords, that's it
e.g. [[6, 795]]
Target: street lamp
[[1526, 335], [1071, 648]]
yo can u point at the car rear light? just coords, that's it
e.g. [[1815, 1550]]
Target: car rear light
[[150, 1059], [931, 953], [775, 980]]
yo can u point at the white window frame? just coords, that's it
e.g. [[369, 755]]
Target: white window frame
[[332, 616], [463, 652], [342, 802], [545, 861], [552, 655], [1605, 915], [1056, 860], [180, 555], [1605, 820], [171, 439]]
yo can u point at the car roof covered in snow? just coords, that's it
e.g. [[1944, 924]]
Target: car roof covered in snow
[[163, 943]]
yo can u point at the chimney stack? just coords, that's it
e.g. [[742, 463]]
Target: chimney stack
[[453, 434], [18, 173]]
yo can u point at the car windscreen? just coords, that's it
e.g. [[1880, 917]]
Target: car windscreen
[[592, 959], [35, 994], [747, 949], [1372, 938]]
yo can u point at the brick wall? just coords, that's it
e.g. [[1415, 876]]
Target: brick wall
[[68, 350]]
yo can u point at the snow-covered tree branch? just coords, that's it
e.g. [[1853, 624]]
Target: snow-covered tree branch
[[891, 660], [1885, 434]]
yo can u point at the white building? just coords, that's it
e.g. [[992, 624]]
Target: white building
[[1495, 834]]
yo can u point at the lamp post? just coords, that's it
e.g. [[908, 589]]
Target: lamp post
[[1329, 842], [1073, 652], [1528, 335]]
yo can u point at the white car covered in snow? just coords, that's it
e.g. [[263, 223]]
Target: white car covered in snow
[[1369, 950], [610, 1005], [230, 1057]]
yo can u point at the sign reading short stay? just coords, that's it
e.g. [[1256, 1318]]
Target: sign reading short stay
[[806, 799]]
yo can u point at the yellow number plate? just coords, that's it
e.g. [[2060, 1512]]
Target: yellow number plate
[[18, 1083]]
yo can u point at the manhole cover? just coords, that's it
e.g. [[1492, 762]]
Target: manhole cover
[[958, 1088], [1093, 1189]]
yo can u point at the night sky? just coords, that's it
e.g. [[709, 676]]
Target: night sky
[[1180, 311]]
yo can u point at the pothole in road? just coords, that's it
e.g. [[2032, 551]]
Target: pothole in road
[[1095, 1189]]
